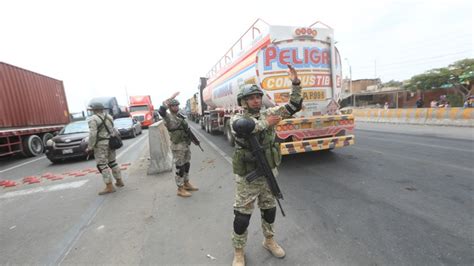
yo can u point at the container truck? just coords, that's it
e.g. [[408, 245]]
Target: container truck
[[32, 108], [141, 108], [192, 108], [260, 57]]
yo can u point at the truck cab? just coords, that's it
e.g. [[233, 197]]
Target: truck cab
[[142, 110]]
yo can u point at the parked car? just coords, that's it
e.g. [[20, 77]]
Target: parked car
[[128, 127], [70, 142]]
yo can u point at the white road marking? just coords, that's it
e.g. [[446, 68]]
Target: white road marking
[[221, 152], [133, 145], [57, 187], [25, 163], [44, 157]]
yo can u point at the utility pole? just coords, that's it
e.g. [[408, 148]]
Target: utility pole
[[350, 78], [375, 69]]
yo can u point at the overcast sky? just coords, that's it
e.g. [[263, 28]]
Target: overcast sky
[[105, 48]]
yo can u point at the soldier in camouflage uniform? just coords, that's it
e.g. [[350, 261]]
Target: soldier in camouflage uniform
[[99, 144], [180, 141], [246, 193]]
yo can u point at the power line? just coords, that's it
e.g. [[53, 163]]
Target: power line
[[413, 60]]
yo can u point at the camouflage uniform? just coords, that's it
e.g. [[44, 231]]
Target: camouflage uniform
[[99, 142], [180, 141], [247, 193]]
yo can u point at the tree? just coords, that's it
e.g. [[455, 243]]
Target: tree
[[459, 75], [392, 83]]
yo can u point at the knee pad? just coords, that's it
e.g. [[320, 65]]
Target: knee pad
[[112, 164], [241, 222], [186, 167], [269, 215], [180, 170], [101, 167]]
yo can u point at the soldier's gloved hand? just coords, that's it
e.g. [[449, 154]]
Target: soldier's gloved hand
[[293, 75], [273, 119]]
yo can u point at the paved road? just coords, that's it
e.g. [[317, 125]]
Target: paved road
[[394, 198]]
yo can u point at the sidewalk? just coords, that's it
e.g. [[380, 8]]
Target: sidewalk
[[450, 132]]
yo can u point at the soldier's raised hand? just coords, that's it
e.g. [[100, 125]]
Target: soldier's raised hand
[[292, 73]]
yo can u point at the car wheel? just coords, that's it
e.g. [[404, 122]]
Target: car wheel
[[46, 137]]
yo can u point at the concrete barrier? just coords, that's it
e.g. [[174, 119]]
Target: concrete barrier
[[419, 116], [161, 159]]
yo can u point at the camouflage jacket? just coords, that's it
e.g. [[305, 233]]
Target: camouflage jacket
[[97, 132], [177, 128], [242, 159]]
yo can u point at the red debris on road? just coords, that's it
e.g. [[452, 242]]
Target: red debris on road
[[7, 183], [31, 180]]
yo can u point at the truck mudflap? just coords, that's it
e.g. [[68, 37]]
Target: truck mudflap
[[316, 144]]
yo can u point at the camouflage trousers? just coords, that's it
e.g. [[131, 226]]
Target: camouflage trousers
[[181, 160], [246, 194], [105, 159]]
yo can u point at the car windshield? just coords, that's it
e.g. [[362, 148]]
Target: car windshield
[[138, 108], [77, 127], [123, 122]]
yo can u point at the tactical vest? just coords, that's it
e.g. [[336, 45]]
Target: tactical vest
[[180, 133], [243, 161]]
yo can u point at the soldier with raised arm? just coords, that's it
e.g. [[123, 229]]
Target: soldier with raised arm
[[178, 130], [248, 193]]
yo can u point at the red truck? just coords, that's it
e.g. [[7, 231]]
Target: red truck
[[32, 108], [142, 109]]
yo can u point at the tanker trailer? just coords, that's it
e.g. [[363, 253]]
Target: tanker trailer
[[260, 57]]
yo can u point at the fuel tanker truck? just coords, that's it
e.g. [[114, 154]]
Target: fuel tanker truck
[[260, 57]]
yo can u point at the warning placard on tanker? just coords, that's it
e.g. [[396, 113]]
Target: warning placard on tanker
[[311, 59]]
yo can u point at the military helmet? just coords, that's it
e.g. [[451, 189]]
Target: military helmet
[[173, 102], [96, 106], [247, 90]]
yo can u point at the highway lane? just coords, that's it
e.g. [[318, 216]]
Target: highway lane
[[393, 198]]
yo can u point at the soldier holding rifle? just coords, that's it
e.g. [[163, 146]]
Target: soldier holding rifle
[[181, 137], [255, 161]]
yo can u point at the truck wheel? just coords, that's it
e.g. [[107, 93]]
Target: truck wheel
[[32, 146], [46, 137], [228, 134]]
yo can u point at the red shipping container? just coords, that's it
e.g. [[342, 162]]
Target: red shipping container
[[29, 99]]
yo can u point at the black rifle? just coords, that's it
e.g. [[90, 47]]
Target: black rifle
[[243, 127], [190, 133], [193, 138]]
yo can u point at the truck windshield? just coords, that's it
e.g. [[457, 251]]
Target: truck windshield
[[136, 108]]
